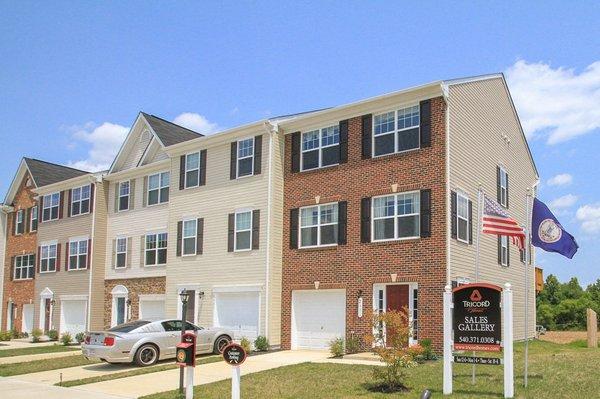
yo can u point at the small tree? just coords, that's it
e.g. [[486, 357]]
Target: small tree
[[36, 333], [391, 332]]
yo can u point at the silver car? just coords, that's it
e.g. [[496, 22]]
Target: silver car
[[145, 342]]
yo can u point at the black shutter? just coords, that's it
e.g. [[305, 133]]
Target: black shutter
[[255, 228], [233, 162], [181, 172], [342, 222], [522, 255], [12, 268], [425, 213], [507, 252], [425, 123], [13, 223], [498, 190], [92, 194], [203, 167], [26, 219], [343, 147], [367, 132], [257, 154], [453, 226], [500, 250], [179, 238], [294, 228], [199, 235], [230, 232], [69, 201], [296, 152], [40, 208], [470, 222], [365, 220], [61, 205], [507, 190]]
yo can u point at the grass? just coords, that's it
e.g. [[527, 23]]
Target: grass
[[555, 371], [38, 350], [7, 370], [138, 371]]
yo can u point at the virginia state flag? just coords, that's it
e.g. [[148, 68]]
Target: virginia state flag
[[548, 234]]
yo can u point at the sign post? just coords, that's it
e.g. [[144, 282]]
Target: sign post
[[186, 357], [235, 355], [509, 381]]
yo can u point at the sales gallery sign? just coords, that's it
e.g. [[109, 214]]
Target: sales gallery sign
[[476, 317]]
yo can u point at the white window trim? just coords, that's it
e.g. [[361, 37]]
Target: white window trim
[[319, 149], [237, 158], [32, 217], [373, 218], [466, 198], [119, 291], [503, 188], [20, 212], [48, 205], [81, 199], [117, 252], [185, 170], [183, 237], [411, 290], [504, 259], [318, 226], [157, 248], [160, 186], [15, 267], [48, 245], [87, 253], [395, 131], [235, 230], [119, 196]]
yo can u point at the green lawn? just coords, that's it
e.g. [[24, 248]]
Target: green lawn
[[167, 365], [37, 350], [43, 365], [555, 371]]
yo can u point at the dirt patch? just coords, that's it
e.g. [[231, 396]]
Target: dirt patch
[[563, 337]]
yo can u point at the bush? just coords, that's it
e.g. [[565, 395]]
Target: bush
[[15, 334], [53, 335], [427, 352], [66, 338], [36, 333], [261, 343], [336, 347], [245, 343], [353, 344], [5, 335], [79, 337]]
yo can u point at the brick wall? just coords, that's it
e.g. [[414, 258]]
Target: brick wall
[[358, 266], [136, 287], [19, 292]]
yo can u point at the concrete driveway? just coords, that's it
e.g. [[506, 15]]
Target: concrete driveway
[[15, 389], [37, 356]]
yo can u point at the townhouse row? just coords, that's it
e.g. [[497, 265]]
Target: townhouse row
[[296, 227]]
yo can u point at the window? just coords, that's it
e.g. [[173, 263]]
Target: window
[[19, 222], [121, 252], [396, 216], [189, 237], [48, 258], [462, 217], [319, 225], [396, 131], [156, 249], [243, 231], [80, 200], [33, 222], [192, 170], [78, 254], [120, 303], [245, 157], [504, 250], [51, 205], [24, 267], [503, 187], [320, 148], [175, 325], [124, 192], [158, 188]]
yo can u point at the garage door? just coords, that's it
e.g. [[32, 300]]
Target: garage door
[[239, 312], [152, 309], [73, 318], [27, 318], [317, 318]]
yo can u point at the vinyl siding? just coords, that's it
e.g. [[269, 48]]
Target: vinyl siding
[[480, 113]]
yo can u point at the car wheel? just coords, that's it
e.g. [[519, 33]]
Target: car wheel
[[220, 343], [146, 355]]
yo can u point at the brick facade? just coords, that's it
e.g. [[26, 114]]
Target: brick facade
[[18, 292], [356, 266], [136, 287]]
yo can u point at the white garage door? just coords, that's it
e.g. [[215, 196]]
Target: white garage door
[[73, 318], [27, 318], [152, 309], [239, 312], [317, 318]]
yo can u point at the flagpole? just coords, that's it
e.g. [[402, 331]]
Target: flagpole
[[527, 256]]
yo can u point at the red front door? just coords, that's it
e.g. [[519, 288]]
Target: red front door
[[396, 297]]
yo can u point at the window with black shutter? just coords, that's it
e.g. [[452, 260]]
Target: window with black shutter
[[294, 216], [319, 225], [365, 220], [320, 148], [295, 164]]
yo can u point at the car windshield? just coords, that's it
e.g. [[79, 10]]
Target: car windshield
[[128, 327]]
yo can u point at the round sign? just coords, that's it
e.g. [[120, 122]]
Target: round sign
[[549, 231], [181, 356], [234, 354]]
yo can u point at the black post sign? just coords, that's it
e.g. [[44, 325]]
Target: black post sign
[[476, 317], [234, 354]]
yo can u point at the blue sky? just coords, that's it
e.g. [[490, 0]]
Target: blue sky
[[73, 76]]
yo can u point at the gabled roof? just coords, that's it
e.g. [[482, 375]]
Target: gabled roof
[[45, 173], [168, 132]]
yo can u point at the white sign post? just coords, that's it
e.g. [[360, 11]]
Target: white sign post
[[235, 382], [507, 311], [189, 386], [448, 340]]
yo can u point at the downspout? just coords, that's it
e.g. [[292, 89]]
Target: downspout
[[90, 271], [3, 215], [271, 130], [446, 94]]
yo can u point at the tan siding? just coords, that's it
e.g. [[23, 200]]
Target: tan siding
[[137, 150], [98, 258], [480, 114]]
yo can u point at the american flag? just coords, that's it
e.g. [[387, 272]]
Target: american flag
[[497, 221]]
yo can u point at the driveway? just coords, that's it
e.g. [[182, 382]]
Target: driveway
[[37, 356], [15, 389]]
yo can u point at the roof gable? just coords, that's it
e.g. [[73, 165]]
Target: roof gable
[[169, 133]]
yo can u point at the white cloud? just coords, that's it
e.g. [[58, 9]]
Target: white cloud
[[196, 122], [589, 216], [564, 202], [563, 179], [556, 102], [105, 141]]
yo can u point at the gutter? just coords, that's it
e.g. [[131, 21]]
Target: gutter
[[4, 209]]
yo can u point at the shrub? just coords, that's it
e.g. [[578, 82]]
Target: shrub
[[5, 335], [427, 352], [79, 337], [66, 338], [246, 344], [353, 344], [336, 347], [36, 333], [53, 335], [15, 334], [261, 343]]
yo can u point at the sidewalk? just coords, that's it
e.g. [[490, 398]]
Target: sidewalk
[[23, 343], [37, 356], [15, 389], [52, 377]]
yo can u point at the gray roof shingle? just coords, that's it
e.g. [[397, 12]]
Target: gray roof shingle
[[168, 132], [45, 173]]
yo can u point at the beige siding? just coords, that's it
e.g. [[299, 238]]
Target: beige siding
[[480, 115], [138, 146], [98, 258]]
